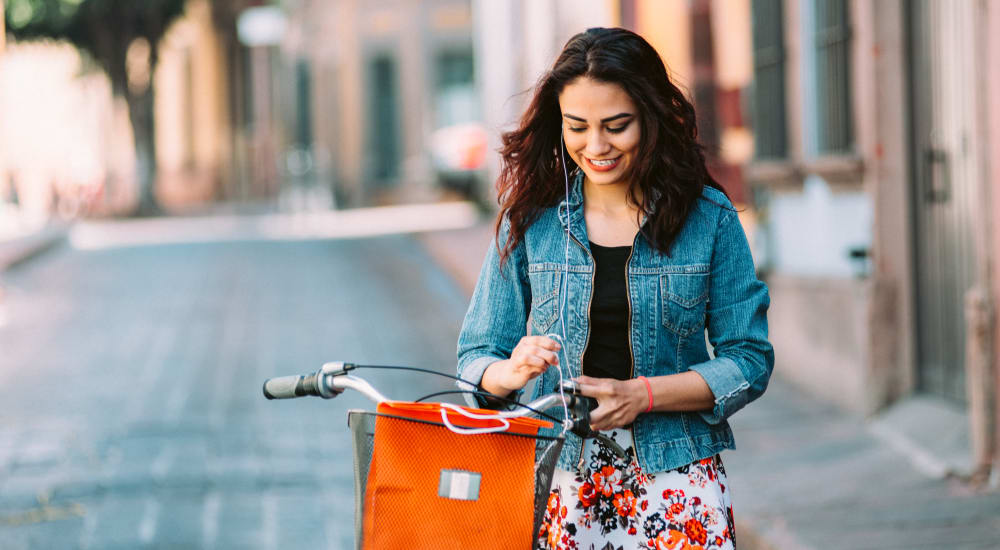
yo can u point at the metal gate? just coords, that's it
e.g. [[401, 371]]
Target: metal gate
[[944, 177]]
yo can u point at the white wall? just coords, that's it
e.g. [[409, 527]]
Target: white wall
[[812, 232]]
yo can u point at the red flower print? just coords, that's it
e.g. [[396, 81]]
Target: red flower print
[[625, 504], [641, 477], [675, 509], [695, 531], [671, 492], [696, 501], [553, 503], [643, 505], [555, 535], [718, 541], [632, 530], [587, 494], [608, 480], [669, 540]]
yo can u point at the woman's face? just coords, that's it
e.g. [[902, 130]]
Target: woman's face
[[600, 128]]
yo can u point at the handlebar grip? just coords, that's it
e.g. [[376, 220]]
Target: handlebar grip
[[290, 387]]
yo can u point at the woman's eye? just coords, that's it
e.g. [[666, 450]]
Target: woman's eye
[[577, 130], [618, 129]]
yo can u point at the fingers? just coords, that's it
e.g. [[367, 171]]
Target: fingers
[[593, 387], [532, 349], [534, 361], [547, 356], [614, 409], [597, 417], [606, 417], [543, 342], [609, 416]]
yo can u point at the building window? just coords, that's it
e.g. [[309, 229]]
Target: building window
[[834, 132], [303, 104], [384, 139], [770, 133], [455, 90]]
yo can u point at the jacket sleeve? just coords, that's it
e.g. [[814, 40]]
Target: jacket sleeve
[[497, 316], [737, 325]]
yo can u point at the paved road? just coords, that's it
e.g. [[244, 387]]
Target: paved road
[[130, 381]]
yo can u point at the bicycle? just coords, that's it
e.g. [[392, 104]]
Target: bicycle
[[455, 479]]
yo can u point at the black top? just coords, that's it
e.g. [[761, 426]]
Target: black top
[[608, 354]]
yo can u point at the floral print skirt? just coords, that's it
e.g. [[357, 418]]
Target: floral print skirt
[[613, 505]]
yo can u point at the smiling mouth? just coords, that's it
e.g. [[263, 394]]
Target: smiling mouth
[[603, 164]]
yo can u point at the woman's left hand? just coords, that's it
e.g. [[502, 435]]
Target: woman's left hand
[[618, 401]]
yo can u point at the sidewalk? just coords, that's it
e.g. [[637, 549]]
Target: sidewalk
[[16, 250], [807, 476]]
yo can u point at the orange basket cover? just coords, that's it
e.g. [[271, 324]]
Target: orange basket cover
[[429, 487]]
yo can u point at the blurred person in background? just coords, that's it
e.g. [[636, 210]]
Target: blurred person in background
[[629, 250]]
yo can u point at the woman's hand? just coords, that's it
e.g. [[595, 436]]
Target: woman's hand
[[618, 401], [530, 358]]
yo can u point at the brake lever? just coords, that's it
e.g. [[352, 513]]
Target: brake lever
[[581, 405]]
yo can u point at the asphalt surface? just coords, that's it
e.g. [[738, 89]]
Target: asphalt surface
[[130, 383]]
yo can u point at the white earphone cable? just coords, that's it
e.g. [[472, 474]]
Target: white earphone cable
[[567, 423]]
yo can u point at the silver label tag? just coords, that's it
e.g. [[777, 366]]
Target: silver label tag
[[459, 484]]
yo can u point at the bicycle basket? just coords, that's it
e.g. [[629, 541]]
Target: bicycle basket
[[418, 485]]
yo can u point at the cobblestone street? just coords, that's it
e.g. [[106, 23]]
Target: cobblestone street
[[130, 380]]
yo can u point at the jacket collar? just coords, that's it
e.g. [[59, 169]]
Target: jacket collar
[[571, 208]]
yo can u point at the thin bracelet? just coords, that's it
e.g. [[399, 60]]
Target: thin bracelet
[[649, 391]]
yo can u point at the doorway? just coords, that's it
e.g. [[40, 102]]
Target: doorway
[[944, 181]]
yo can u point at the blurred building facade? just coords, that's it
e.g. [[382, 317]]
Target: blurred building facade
[[874, 130], [194, 132], [381, 79], [68, 140]]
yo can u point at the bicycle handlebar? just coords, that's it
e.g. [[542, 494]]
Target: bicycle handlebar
[[331, 380], [289, 387]]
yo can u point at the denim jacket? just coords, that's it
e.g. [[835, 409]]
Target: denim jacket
[[707, 281]]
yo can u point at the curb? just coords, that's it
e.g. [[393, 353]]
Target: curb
[[17, 251]]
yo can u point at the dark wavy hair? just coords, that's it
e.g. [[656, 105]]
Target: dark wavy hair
[[668, 173]]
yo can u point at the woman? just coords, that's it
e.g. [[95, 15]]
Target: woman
[[656, 255]]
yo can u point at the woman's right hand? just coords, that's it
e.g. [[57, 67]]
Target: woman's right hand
[[530, 358]]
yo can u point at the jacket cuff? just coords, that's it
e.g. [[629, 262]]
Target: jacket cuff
[[472, 377], [728, 385]]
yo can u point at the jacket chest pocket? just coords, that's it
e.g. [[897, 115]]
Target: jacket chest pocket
[[684, 296], [545, 285]]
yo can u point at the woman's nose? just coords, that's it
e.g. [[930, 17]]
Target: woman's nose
[[596, 144]]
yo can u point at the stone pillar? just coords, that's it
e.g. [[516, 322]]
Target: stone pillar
[[979, 378]]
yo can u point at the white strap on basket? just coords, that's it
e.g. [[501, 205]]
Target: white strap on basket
[[504, 423]]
